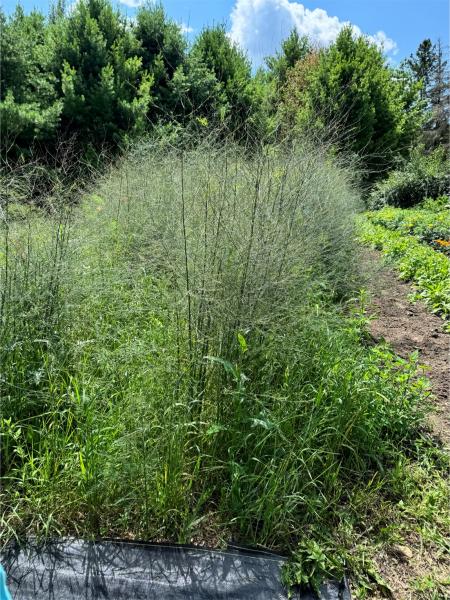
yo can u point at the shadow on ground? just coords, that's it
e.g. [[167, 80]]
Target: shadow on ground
[[75, 569]]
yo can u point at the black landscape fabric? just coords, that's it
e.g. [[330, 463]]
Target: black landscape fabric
[[77, 570]]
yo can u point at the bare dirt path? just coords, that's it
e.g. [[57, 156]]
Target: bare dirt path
[[408, 327]]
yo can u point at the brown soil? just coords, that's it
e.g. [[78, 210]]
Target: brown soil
[[401, 571], [410, 327], [407, 327]]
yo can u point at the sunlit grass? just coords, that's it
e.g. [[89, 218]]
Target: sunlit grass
[[182, 357]]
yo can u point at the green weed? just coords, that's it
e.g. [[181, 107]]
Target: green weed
[[427, 269], [181, 359]]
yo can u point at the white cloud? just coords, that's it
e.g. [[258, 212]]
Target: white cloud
[[132, 3], [186, 28], [259, 26], [384, 42]]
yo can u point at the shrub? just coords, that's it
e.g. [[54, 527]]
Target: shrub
[[435, 204], [424, 176]]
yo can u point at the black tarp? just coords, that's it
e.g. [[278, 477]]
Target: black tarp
[[82, 570]]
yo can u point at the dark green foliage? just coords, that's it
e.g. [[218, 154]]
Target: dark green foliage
[[105, 90], [422, 65], [91, 75], [293, 49], [437, 130], [95, 78], [163, 49], [422, 176], [196, 92], [29, 108], [232, 71], [369, 107]]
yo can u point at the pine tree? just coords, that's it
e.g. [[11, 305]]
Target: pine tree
[[352, 94], [429, 68], [422, 65], [232, 70], [438, 129], [29, 105], [293, 49]]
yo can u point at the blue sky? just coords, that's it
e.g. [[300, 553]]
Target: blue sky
[[259, 25]]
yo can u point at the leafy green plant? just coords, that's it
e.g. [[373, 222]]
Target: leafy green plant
[[435, 204], [422, 176], [182, 358], [431, 227], [311, 564], [427, 269], [30, 108]]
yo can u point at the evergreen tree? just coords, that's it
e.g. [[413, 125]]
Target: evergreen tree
[[437, 130], [430, 70], [373, 107], [293, 49], [293, 95], [162, 48], [232, 71], [196, 92], [94, 75], [29, 105], [105, 89], [422, 65]]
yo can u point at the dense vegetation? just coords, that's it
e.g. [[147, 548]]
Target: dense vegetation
[[184, 350], [426, 266], [175, 365], [429, 222], [422, 175], [91, 76]]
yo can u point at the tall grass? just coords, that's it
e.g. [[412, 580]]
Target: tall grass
[[178, 356]]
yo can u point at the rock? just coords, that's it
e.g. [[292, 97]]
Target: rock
[[403, 552]]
